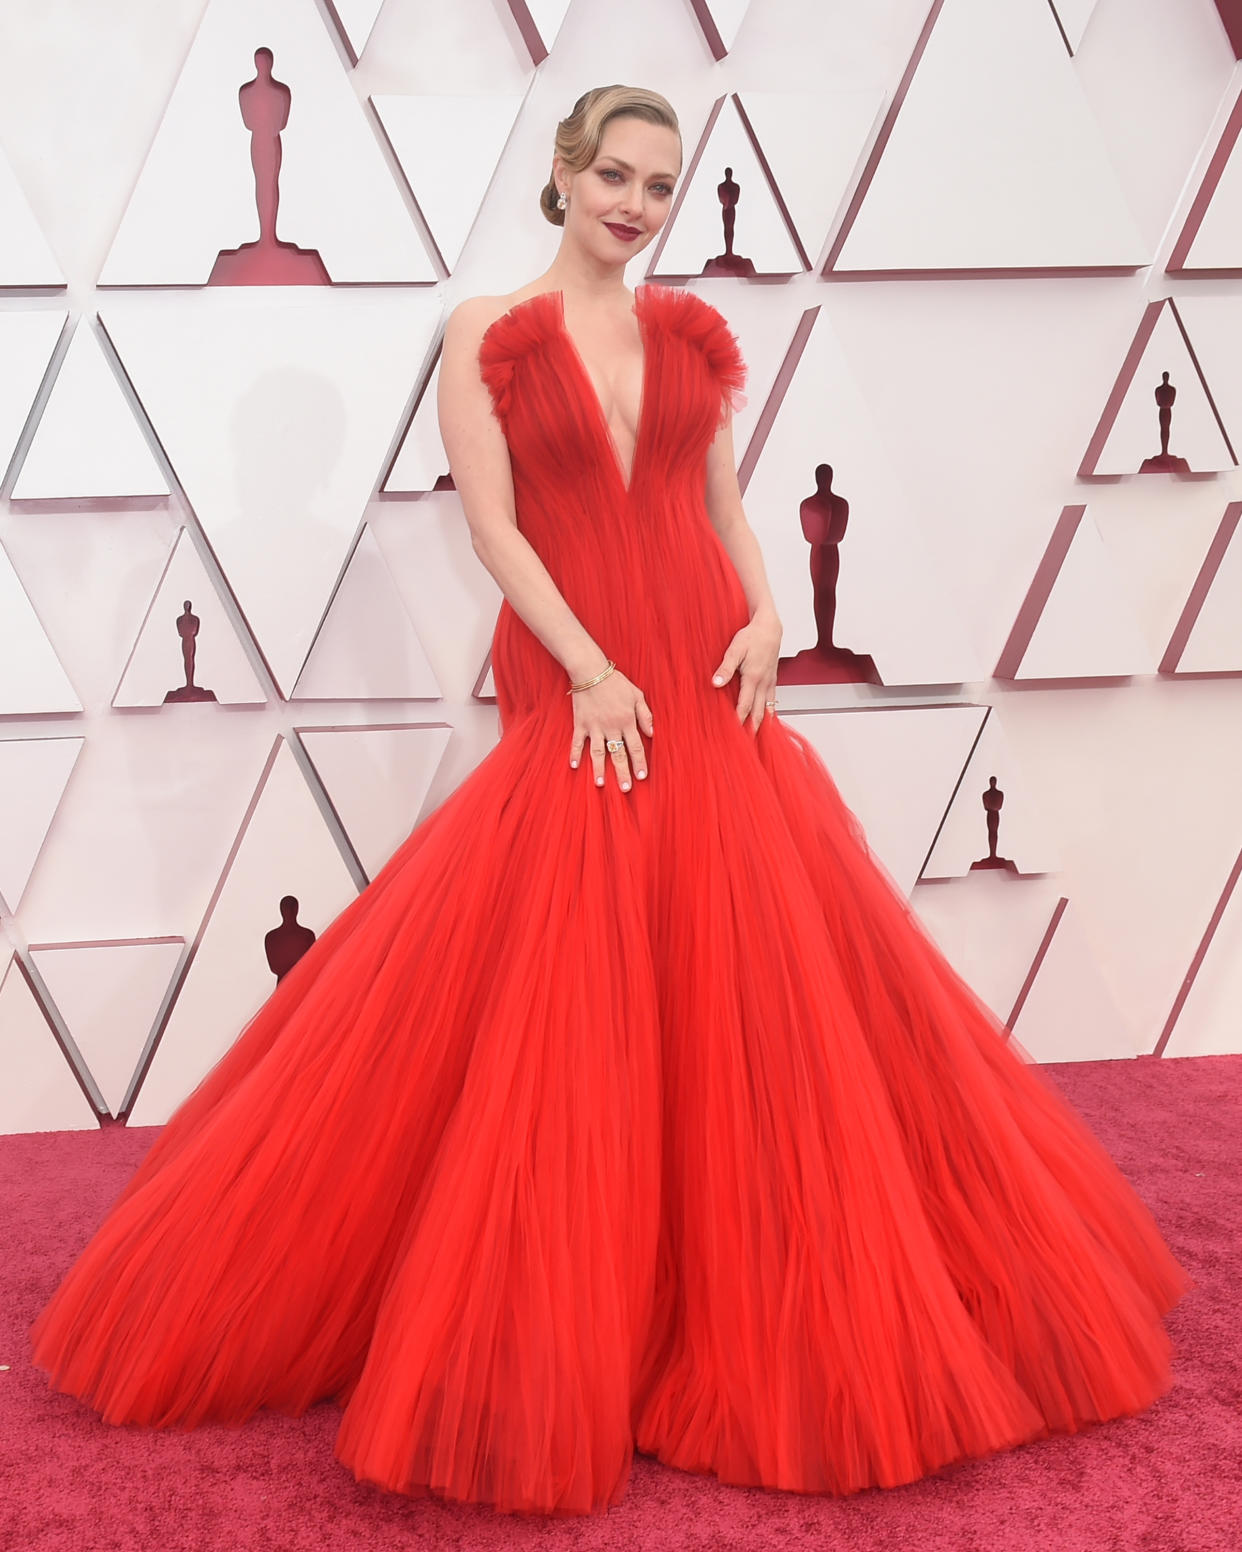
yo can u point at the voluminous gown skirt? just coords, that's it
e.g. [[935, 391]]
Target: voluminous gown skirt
[[605, 1120]]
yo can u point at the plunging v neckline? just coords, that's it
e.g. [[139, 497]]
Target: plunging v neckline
[[605, 430], [627, 482]]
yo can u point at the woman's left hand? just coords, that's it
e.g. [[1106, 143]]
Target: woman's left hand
[[756, 651]]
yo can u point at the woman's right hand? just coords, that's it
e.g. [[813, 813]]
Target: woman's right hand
[[613, 708]]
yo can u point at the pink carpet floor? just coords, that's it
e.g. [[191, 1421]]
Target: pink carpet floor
[[1168, 1481]]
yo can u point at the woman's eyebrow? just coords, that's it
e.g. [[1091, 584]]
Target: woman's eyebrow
[[628, 168]]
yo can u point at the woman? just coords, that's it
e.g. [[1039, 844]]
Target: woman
[[630, 1106]]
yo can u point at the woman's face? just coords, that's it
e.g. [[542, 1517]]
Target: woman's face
[[627, 189]]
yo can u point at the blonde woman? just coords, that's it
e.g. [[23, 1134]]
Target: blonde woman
[[629, 1107]]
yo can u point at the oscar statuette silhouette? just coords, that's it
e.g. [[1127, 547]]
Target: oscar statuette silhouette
[[993, 799], [825, 516], [285, 945], [264, 103], [1164, 462], [728, 262], [187, 629]]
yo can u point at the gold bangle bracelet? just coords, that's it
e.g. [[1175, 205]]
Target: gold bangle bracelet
[[590, 682]]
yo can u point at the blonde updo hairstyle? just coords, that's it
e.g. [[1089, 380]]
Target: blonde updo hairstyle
[[578, 137]]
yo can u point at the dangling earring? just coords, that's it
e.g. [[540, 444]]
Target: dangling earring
[[561, 202]]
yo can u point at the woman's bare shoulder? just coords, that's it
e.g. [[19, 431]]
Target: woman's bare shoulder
[[471, 318]]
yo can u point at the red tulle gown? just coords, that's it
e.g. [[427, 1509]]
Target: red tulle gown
[[605, 1120]]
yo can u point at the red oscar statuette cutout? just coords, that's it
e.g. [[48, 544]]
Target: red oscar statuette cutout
[[1164, 462], [285, 945], [264, 105], [825, 516], [187, 629], [993, 799], [728, 262]]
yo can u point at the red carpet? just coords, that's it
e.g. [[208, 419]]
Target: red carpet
[[1168, 1481]]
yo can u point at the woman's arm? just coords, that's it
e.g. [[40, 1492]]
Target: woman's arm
[[755, 649], [615, 708], [479, 458], [724, 507]]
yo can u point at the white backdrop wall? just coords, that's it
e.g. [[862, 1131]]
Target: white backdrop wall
[[961, 215]]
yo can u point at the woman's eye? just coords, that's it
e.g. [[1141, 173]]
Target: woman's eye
[[612, 172]]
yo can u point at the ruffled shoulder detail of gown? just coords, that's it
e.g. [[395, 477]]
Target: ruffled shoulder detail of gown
[[527, 324], [698, 322]]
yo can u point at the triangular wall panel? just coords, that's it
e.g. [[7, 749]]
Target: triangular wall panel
[[994, 159], [1204, 1018], [26, 260], [34, 773], [1208, 637], [156, 666], [896, 769], [283, 848], [27, 340], [1210, 241], [92, 575], [1069, 1013], [1128, 433], [278, 409], [839, 124], [31, 678], [367, 647], [195, 196], [991, 928], [377, 779], [454, 598], [694, 231], [1213, 325], [896, 600], [38, 1091], [1077, 620], [108, 995], [1023, 835], [1156, 533], [421, 460], [87, 442], [449, 189]]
